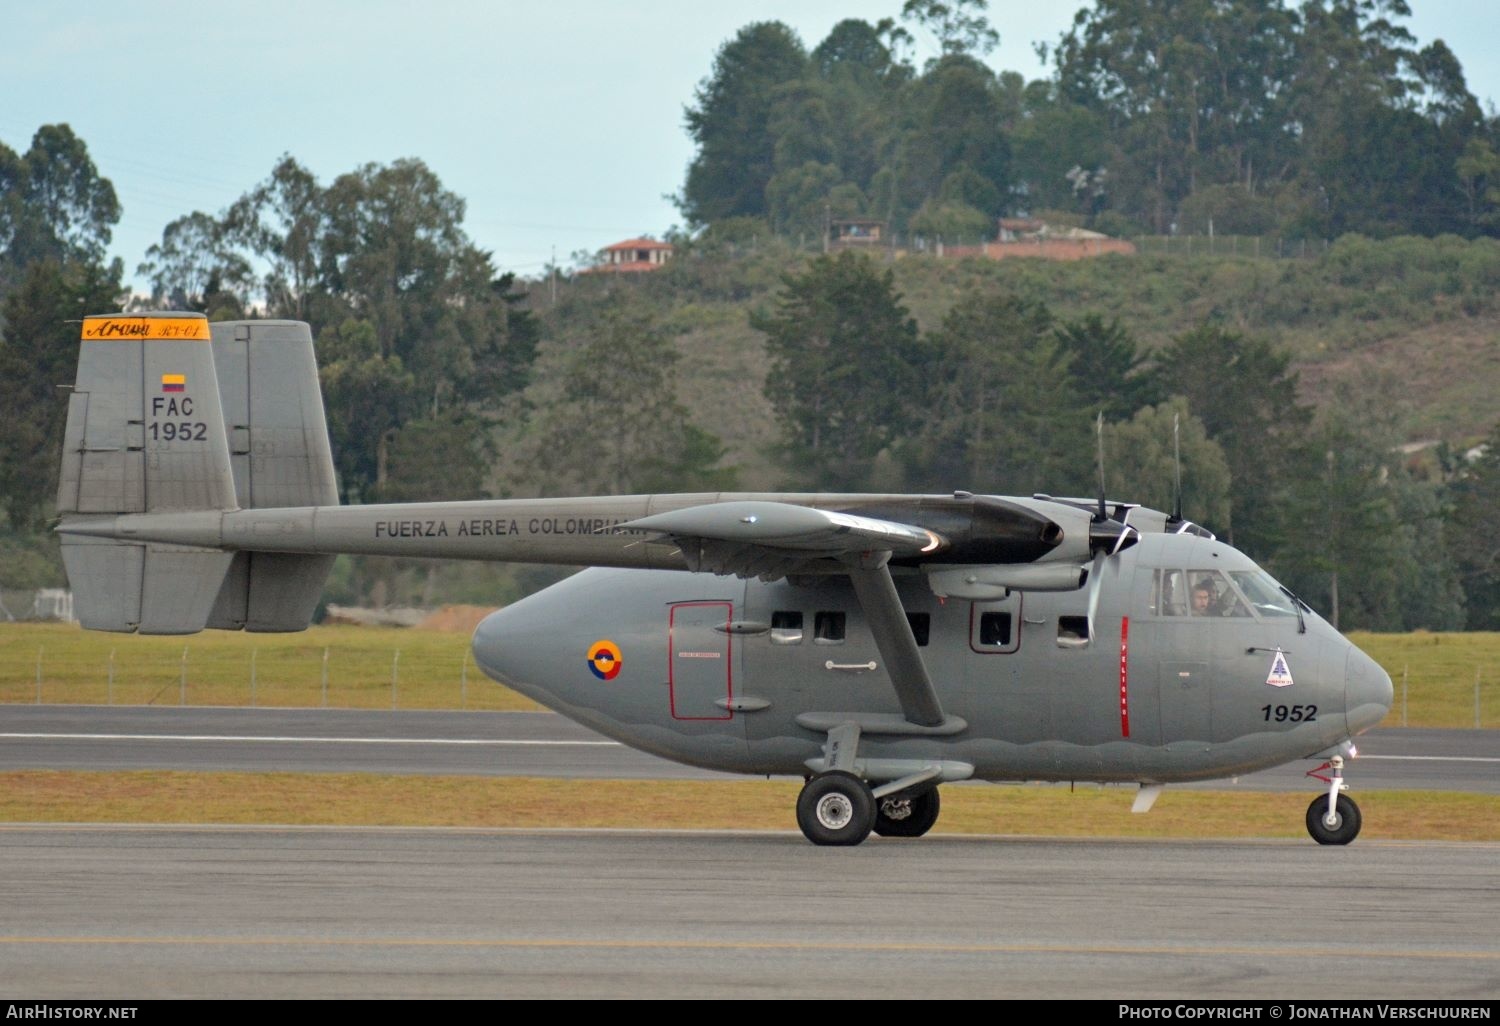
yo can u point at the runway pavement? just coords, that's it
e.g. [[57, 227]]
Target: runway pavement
[[132, 913], [547, 745]]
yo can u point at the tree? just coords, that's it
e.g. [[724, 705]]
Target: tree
[[367, 396], [857, 49], [730, 123], [1346, 553], [54, 205], [1140, 464], [1051, 137], [843, 353], [195, 268], [439, 458], [615, 386], [38, 353], [1245, 394], [999, 411], [1473, 543], [959, 26], [281, 221], [1107, 367], [952, 120], [799, 199], [1479, 176], [1381, 125]]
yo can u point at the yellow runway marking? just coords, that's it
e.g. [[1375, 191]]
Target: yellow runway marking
[[794, 946]]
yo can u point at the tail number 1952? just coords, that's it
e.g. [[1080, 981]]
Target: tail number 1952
[[1289, 713]]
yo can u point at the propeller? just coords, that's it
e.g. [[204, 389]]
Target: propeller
[[1107, 538]]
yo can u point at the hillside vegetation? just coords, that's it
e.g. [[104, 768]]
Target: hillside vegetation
[[1408, 327]]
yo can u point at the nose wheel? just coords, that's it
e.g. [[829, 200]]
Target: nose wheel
[[1333, 818]]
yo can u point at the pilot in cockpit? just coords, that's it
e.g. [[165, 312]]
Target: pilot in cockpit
[[1209, 600]]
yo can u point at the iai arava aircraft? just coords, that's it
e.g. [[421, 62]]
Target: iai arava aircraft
[[877, 645]]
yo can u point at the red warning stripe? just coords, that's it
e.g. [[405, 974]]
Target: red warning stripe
[[1125, 676]]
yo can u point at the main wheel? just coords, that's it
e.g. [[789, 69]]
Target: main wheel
[[909, 816], [836, 808], [1343, 828]]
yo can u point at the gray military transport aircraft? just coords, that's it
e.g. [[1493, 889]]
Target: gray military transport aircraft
[[876, 645]]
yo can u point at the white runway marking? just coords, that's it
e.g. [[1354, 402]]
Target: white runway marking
[[316, 740], [1430, 758]]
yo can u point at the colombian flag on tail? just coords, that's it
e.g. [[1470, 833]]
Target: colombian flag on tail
[[173, 382]]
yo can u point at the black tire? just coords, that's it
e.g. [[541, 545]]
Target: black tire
[[836, 808], [1346, 825], [907, 815]]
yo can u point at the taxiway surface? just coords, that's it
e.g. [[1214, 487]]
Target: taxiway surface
[[254, 912]]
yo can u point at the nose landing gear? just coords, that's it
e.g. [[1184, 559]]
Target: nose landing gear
[[1333, 818]]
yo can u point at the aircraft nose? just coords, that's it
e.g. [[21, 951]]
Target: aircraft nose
[[512, 646], [1367, 691]]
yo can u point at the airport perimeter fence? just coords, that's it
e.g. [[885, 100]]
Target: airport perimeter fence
[[418, 677], [1259, 247], [308, 677]]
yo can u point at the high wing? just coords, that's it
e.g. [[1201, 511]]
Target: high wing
[[774, 539]]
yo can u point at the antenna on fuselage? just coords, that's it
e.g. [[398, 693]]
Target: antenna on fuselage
[[1101, 515], [1176, 517]]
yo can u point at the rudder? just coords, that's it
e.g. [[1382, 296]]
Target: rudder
[[280, 456]]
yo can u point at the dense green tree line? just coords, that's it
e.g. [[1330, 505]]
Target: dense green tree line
[[1001, 396], [1236, 116]]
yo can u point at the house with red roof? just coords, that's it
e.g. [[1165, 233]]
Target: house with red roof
[[634, 255]]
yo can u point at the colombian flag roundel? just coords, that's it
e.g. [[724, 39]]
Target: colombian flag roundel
[[604, 660]]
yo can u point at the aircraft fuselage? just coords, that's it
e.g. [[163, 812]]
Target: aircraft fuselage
[[749, 676]]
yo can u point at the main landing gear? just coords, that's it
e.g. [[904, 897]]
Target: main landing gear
[[1333, 818], [909, 816], [838, 808]]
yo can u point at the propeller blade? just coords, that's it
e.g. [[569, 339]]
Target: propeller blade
[[1094, 573]]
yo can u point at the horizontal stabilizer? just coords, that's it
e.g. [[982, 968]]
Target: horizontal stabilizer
[[150, 588], [270, 592]]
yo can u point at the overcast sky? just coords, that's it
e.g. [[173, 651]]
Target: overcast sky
[[560, 122]]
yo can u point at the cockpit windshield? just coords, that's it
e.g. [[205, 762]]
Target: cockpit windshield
[[1268, 598]]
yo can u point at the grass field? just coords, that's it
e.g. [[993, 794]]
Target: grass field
[[355, 667], [363, 667], [357, 799]]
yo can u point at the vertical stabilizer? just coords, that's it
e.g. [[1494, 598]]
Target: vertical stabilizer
[[145, 433]]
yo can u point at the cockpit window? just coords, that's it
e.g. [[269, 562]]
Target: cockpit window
[[1196, 593], [1264, 594], [1213, 595], [1169, 596]]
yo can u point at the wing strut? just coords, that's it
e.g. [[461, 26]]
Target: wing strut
[[897, 644]]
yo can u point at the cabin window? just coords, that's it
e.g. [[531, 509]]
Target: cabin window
[[994, 629], [921, 626], [828, 628], [1072, 631], [995, 626], [786, 627]]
